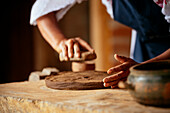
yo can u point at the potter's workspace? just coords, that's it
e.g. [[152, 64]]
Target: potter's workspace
[[146, 90], [85, 56]]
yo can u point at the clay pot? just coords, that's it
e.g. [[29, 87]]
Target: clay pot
[[83, 66], [149, 83]]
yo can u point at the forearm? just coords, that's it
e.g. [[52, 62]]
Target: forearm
[[48, 27], [163, 56]]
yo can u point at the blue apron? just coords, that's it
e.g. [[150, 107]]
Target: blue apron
[[153, 36]]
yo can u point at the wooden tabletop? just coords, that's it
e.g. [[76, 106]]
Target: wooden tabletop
[[36, 97]]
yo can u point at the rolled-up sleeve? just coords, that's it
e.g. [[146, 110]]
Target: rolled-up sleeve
[[165, 4], [43, 7], [166, 10], [109, 9]]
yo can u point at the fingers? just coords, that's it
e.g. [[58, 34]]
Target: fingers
[[114, 84], [113, 77], [117, 76], [84, 44], [121, 59], [110, 83], [121, 67], [70, 43], [126, 64], [77, 50], [64, 51]]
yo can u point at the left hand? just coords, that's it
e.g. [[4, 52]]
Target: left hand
[[73, 46], [119, 72]]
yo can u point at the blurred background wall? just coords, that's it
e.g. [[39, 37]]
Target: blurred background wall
[[24, 50], [16, 41]]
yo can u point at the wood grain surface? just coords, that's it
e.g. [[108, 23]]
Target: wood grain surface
[[35, 97]]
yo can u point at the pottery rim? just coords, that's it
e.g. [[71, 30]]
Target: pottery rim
[[145, 72]]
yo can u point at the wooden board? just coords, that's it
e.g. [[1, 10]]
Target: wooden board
[[35, 97], [76, 80]]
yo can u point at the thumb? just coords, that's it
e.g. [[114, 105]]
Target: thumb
[[121, 59]]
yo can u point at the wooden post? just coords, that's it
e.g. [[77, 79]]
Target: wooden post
[[100, 33], [107, 36]]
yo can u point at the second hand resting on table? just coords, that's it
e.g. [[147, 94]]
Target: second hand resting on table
[[121, 72], [48, 27]]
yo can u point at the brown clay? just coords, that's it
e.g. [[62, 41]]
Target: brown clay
[[76, 80], [82, 66]]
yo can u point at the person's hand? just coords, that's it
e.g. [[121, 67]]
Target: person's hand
[[72, 47], [119, 72]]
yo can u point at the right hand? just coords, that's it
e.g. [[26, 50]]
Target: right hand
[[119, 72], [73, 46]]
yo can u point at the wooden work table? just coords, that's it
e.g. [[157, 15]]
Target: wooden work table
[[36, 97]]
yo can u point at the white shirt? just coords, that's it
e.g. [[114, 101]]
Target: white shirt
[[43, 7]]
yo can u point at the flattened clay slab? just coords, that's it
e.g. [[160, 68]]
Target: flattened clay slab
[[76, 80], [85, 56]]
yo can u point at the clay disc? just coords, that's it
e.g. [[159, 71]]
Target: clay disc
[[76, 80]]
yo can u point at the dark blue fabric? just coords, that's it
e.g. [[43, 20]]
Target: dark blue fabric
[[153, 36]]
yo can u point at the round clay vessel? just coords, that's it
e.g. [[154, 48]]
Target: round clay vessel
[[149, 83], [83, 66]]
